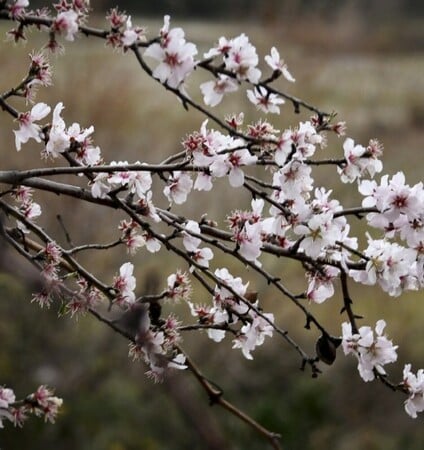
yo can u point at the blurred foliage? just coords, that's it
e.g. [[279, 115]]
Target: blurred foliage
[[109, 403], [369, 9]]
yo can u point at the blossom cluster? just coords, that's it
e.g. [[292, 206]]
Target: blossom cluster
[[230, 307], [372, 351], [29, 209], [41, 403], [122, 32], [399, 214], [191, 242], [288, 215], [174, 55]]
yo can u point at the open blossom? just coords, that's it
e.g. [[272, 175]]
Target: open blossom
[[18, 8], [239, 56], [253, 333], [58, 139], [320, 286], [180, 185], [391, 265], [66, 22], [191, 242], [230, 164], [250, 242], [213, 91], [359, 160], [7, 397], [124, 284], [27, 128], [414, 383], [278, 65], [137, 182], [202, 256], [372, 351], [223, 297], [131, 34], [178, 286], [175, 56], [86, 153], [264, 100], [320, 232]]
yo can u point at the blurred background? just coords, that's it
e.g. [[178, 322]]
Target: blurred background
[[358, 58]]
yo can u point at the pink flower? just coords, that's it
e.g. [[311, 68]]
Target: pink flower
[[131, 35], [359, 160], [67, 22], [7, 397], [27, 128], [18, 8]]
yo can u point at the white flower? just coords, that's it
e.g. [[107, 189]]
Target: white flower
[[253, 334], [58, 138], [180, 185], [27, 128], [191, 242], [415, 385], [241, 58], [125, 285], [250, 242], [273, 60], [175, 56], [372, 352], [264, 100], [213, 91], [202, 256], [230, 164]]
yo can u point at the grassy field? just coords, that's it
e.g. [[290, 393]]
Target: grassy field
[[376, 85]]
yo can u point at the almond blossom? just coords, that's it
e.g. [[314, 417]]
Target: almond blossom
[[27, 128], [264, 100], [414, 383], [124, 284], [66, 23], [230, 164], [253, 334], [278, 65], [239, 57], [180, 185], [175, 56], [389, 264], [372, 351], [17, 8], [359, 160], [214, 91]]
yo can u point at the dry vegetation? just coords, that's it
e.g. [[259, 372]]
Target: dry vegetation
[[378, 92]]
